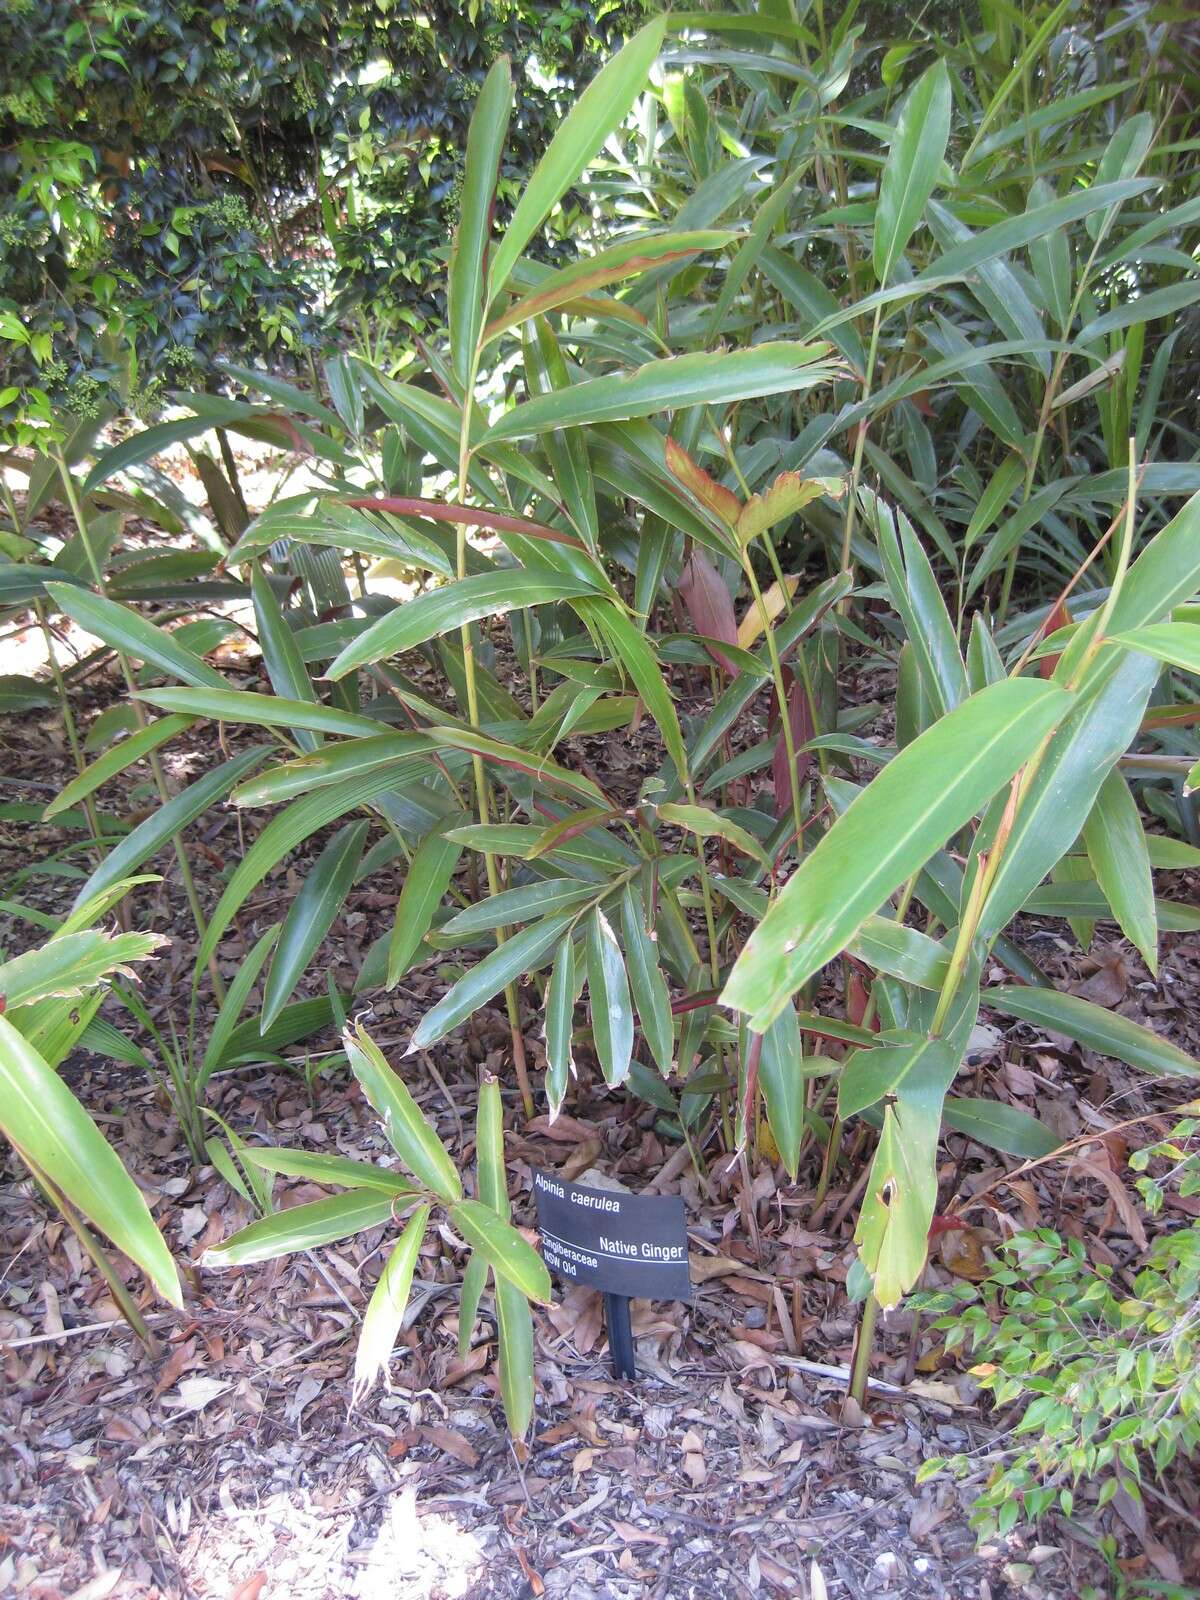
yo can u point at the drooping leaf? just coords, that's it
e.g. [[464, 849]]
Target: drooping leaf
[[311, 916], [52, 1132], [1097, 1028], [408, 1132], [608, 998], [904, 815], [303, 1227], [386, 1308], [506, 1251]]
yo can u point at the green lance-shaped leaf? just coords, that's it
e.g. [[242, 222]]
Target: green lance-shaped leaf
[[72, 963], [474, 1283], [1177, 643], [429, 875], [931, 789], [1099, 729], [438, 611], [311, 916], [117, 759], [280, 652], [339, 1170], [1099, 1029], [524, 952], [303, 1228], [1116, 847], [511, 907], [608, 996], [561, 994], [706, 823], [54, 1134], [622, 260], [629, 645], [913, 163], [506, 1251], [125, 630], [650, 993], [600, 109], [702, 378], [918, 601], [404, 1123], [150, 836], [466, 298], [515, 1323], [1000, 1127], [234, 1004], [262, 710], [386, 1308], [783, 1081], [512, 1307]]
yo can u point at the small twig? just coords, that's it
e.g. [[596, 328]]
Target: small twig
[[116, 1324]]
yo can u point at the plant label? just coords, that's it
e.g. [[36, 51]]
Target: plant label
[[625, 1244]]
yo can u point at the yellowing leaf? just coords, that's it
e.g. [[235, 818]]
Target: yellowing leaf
[[751, 624]]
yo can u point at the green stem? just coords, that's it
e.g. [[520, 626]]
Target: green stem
[[861, 1371], [95, 1250], [859, 445]]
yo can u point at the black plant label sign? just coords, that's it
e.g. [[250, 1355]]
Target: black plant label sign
[[625, 1244]]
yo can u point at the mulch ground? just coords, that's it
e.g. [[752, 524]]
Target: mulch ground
[[230, 1465]]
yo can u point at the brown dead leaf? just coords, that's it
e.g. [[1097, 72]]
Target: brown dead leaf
[[1108, 982], [452, 1442], [703, 1268]]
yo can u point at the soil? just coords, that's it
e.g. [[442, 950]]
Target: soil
[[229, 1463]]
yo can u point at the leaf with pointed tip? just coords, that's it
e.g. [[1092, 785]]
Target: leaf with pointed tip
[[608, 998], [311, 916], [1177, 643], [466, 286], [130, 633], [524, 952], [601, 108], [280, 652], [674, 383], [302, 1228], [54, 1135], [506, 1251], [116, 759], [629, 645], [404, 1123], [931, 789], [1000, 1127], [913, 163], [1116, 847], [650, 993], [261, 710], [386, 1308], [438, 611], [559, 1025], [339, 1170], [428, 877], [1097, 1028], [150, 836]]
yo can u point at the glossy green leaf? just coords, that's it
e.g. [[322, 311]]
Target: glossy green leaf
[[338, 1170], [261, 710], [1177, 643], [784, 1084], [438, 611], [52, 1132], [702, 378], [150, 836], [601, 108], [386, 1308], [428, 877], [630, 647], [514, 906], [311, 916], [1116, 847], [409, 1134], [506, 1251], [561, 994], [1092, 1025], [280, 652], [913, 163], [650, 993], [608, 1000], [903, 816], [303, 1228], [466, 284], [1000, 1127], [116, 759], [234, 1004], [125, 630]]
